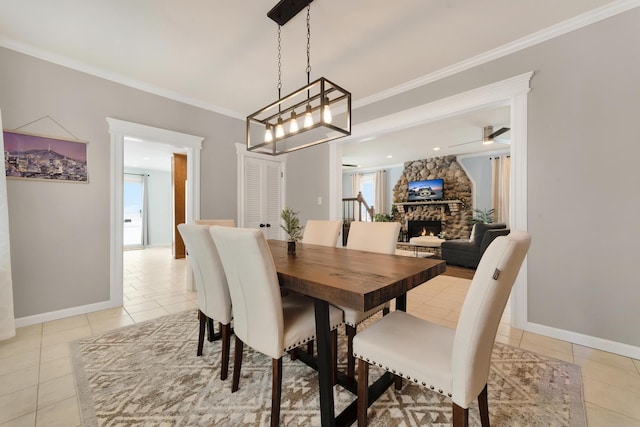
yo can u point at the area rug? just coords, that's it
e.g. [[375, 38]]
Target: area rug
[[149, 375]]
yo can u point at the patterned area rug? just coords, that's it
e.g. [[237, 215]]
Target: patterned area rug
[[149, 375]]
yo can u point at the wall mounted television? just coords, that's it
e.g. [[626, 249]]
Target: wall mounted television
[[426, 191]]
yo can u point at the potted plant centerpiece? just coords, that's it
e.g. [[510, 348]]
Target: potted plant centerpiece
[[292, 227]]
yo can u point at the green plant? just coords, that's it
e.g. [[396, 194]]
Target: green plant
[[482, 216], [291, 224], [381, 217]]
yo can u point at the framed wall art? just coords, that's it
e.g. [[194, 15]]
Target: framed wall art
[[28, 156]]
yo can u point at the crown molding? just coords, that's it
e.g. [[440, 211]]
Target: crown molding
[[533, 39], [113, 77]]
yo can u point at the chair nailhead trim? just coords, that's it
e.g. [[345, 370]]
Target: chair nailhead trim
[[393, 371]]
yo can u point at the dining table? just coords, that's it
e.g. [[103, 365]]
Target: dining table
[[352, 278]]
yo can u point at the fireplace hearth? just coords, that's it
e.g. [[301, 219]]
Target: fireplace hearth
[[417, 228]]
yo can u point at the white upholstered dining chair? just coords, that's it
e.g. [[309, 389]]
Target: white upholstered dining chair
[[322, 232], [381, 237], [454, 363], [210, 222], [214, 301], [263, 319]]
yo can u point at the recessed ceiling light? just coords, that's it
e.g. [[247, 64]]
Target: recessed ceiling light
[[436, 148], [389, 156], [146, 158]]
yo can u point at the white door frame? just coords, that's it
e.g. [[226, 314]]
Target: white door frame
[[184, 142], [512, 92]]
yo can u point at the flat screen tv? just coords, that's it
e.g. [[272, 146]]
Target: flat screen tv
[[426, 191]]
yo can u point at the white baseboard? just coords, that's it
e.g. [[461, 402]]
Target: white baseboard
[[67, 312], [585, 340]]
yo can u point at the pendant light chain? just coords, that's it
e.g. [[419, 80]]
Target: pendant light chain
[[308, 42], [279, 63]]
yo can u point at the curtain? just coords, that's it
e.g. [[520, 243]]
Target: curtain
[[380, 187], [500, 179], [145, 210], [355, 184], [7, 321]]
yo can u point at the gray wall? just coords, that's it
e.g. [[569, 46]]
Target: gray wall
[[307, 179], [478, 168], [60, 231]]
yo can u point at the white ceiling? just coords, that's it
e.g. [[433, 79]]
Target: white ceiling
[[223, 55]]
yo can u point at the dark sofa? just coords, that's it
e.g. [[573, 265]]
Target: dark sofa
[[467, 253]]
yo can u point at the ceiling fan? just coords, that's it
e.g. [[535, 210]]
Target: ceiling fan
[[488, 136]]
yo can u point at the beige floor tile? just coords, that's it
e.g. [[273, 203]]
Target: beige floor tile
[[600, 417], [66, 336], [17, 346], [621, 378], [448, 324], [582, 353], [19, 362], [556, 353], [54, 369], [141, 306], [28, 420], [171, 299], [109, 324], [505, 330], [19, 380], [18, 404], [181, 306], [612, 398], [55, 351], [111, 313], [149, 314], [65, 324], [532, 341], [54, 391], [61, 414], [432, 311], [30, 330]]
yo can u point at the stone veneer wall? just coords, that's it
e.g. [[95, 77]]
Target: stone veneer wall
[[457, 186]]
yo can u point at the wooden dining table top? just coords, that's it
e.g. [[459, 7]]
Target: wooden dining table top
[[356, 279]]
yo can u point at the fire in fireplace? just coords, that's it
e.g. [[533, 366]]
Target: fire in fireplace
[[423, 228]]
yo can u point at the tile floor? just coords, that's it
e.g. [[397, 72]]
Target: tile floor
[[37, 387]]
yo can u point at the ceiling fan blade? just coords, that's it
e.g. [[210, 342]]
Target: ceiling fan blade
[[498, 132]]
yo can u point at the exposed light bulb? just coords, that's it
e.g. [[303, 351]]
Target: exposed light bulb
[[279, 128], [293, 123], [268, 135], [326, 112], [308, 119]]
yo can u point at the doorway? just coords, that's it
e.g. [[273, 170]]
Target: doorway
[[512, 92], [134, 211], [119, 129]]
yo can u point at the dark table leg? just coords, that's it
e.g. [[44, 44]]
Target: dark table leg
[[323, 335]]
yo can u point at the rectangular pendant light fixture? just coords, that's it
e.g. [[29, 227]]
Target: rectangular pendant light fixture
[[316, 113]]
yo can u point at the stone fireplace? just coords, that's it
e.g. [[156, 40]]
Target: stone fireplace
[[417, 228], [451, 214]]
